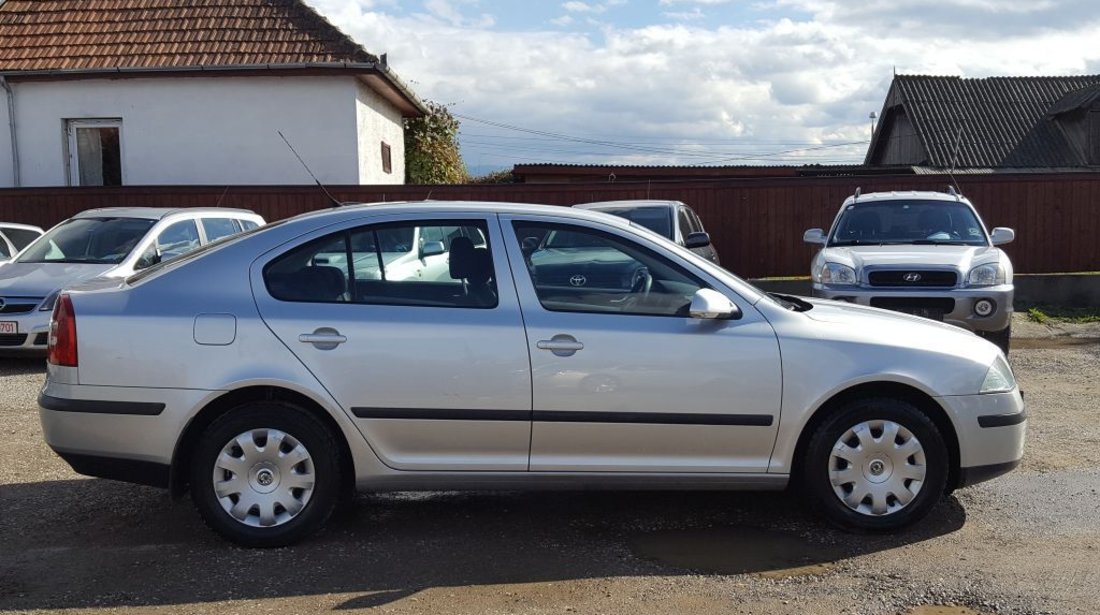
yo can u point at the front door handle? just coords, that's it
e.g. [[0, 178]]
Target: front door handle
[[561, 345], [325, 338]]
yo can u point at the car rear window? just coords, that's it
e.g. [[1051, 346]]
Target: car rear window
[[21, 238]]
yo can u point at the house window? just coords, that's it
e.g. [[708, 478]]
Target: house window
[[387, 158], [94, 152]]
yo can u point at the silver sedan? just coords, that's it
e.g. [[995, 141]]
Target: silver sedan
[[563, 348]]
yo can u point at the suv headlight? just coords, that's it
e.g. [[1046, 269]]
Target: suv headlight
[[47, 303], [999, 378], [986, 275], [835, 273]]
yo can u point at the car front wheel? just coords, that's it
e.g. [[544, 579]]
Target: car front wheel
[[265, 474], [876, 464]]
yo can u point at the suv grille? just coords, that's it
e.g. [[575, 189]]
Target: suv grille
[[17, 308], [913, 278]]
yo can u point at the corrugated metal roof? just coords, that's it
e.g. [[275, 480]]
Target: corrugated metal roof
[[990, 122], [74, 35]]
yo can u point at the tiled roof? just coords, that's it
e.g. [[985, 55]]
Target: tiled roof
[[75, 35], [992, 122]]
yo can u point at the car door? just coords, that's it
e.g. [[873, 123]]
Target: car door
[[434, 372], [622, 379]]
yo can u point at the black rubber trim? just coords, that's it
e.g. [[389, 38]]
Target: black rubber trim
[[555, 416], [1002, 420], [978, 474], [96, 406], [125, 470]]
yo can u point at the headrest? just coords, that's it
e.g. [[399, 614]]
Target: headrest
[[461, 258]]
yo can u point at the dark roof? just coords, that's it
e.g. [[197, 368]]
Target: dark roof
[[992, 122], [1078, 99], [71, 35]]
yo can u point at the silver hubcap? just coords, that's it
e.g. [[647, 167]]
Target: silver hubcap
[[877, 467], [263, 477]]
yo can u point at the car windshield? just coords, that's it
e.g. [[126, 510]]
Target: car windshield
[[104, 241], [908, 222], [656, 219]]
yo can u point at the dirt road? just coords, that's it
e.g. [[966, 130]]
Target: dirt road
[[1026, 543]]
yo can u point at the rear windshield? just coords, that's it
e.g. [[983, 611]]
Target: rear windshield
[[20, 237], [656, 219], [103, 241], [908, 222]]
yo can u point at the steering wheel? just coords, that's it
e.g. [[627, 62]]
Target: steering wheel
[[641, 284]]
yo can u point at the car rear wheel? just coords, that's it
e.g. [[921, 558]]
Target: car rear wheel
[[265, 474], [876, 464]]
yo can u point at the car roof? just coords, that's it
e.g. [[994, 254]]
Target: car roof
[[909, 195], [355, 210], [636, 203], [159, 213]]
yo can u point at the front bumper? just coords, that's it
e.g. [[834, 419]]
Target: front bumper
[[991, 430], [30, 340], [960, 302]]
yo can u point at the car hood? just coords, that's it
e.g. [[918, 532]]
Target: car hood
[[41, 279], [960, 257]]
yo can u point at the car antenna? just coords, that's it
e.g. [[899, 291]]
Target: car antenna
[[222, 197], [954, 188], [331, 198]]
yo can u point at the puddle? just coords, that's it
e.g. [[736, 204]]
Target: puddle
[[736, 550], [1045, 343], [936, 609]]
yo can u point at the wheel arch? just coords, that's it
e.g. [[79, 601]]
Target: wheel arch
[[225, 403], [891, 389]]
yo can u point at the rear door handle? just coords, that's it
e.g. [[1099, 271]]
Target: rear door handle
[[325, 338], [561, 345]]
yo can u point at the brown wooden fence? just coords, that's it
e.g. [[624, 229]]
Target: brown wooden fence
[[757, 224]]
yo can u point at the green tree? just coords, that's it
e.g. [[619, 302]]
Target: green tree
[[431, 148]]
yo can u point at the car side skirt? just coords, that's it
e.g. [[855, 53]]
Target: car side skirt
[[567, 481]]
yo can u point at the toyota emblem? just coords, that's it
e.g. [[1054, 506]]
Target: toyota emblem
[[912, 277], [578, 280]]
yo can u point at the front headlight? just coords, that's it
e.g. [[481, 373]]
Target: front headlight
[[986, 275], [835, 273], [47, 303], [999, 378]]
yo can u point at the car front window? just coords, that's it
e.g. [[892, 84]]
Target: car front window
[[908, 222], [105, 241]]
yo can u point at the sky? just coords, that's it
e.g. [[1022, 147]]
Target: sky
[[698, 82]]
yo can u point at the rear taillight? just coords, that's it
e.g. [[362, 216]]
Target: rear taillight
[[62, 344]]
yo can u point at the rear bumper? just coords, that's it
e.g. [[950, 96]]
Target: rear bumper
[[961, 315], [115, 468]]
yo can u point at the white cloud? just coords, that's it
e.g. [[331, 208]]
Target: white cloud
[[765, 86]]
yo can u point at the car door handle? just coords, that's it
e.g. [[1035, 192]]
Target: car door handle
[[560, 345], [324, 338]]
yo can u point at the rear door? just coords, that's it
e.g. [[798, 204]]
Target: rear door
[[434, 372]]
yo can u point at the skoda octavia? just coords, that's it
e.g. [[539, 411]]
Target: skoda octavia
[[269, 372]]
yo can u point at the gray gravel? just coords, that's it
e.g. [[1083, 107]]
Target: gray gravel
[[1026, 543]]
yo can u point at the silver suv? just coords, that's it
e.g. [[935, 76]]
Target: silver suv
[[924, 253], [112, 242]]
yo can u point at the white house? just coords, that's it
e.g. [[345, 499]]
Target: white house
[[149, 92]]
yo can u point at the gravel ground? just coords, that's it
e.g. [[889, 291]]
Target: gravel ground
[[1028, 542]]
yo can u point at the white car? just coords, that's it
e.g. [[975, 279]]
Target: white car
[[266, 377], [15, 237], [111, 242], [923, 253]]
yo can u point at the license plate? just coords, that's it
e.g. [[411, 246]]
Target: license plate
[[9, 327]]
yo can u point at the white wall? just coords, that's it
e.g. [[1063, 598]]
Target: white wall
[[203, 130], [379, 121], [7, 169]]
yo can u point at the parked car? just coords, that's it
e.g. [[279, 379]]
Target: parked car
[[114, 243], [15, 237], [266, 378], [672, 220], [924, 253]]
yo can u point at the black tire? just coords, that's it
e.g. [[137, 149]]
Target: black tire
[[815, 464], [1001, 338], [300, 425]]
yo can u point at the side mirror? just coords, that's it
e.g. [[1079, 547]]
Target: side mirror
[[814, 236], [431, 248], [1002, 235], [710, 304], [697, 240]]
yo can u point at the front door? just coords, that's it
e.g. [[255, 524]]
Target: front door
[[623, 380], [434, 371]]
